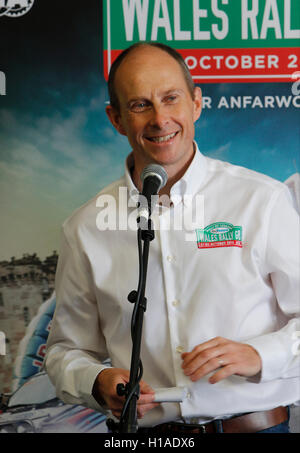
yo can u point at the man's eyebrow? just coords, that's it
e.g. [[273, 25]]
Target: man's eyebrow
[[173, 90], [137, 98], [145, 99]]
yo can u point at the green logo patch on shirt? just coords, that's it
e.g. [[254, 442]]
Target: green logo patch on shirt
[[219, 234]]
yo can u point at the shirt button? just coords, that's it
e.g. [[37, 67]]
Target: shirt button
[[175, 303], [180, 349], [171, 258]]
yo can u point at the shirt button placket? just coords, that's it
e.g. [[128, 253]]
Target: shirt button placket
[[171, 269]]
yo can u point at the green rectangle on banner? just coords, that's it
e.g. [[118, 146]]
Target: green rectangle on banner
[[190, 24]]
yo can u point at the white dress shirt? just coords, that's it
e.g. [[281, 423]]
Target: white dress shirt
[[240, 282]]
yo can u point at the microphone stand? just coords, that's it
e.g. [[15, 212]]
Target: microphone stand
[[128, 421]]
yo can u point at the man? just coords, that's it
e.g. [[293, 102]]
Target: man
[[220, 317]]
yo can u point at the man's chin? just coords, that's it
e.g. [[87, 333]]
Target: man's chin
[[164, 156]]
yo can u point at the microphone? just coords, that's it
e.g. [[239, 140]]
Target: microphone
[[154, 178]]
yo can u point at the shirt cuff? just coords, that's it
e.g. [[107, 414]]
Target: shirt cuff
[[273, 356], [86, 386]]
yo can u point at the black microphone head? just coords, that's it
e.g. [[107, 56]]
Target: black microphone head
[[157, 171]]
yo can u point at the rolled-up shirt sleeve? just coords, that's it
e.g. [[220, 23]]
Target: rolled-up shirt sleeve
[[76, 347], [279, 350]]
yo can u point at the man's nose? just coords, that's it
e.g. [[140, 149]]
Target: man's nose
[[159, 117]]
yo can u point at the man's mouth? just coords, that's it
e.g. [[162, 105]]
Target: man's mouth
[[161, 139]]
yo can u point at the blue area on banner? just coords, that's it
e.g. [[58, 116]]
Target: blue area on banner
[[33, 355]]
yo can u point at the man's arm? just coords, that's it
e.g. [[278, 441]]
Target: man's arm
[[76, 346], [274, 355]]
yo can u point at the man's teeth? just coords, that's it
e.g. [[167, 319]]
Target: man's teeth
[[162, 139]]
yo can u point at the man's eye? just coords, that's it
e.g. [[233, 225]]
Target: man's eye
[[139, 106], [171, 98]]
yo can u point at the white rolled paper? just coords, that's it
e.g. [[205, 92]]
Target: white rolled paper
[[170, 395]]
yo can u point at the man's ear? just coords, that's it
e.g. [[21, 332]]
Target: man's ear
[[115, 118], [197, 103]]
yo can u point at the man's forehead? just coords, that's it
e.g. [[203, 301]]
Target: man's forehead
[[147, 58], [149, 69]]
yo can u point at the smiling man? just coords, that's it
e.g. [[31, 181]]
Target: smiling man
[[156, 111], [221, 317]]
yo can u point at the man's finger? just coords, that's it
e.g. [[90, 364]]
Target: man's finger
[[146, 398], [223, 373], [189, 356], [145, 388], [205, 357], [143, 409], [209, 366]]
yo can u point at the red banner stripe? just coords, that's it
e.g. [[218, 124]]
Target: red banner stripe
[[235, 65]]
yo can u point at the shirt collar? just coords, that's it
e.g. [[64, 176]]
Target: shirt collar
[[189, 184], [184, 189], [133, 191]]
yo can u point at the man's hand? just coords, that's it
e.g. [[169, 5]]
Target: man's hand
[[105, 387], [226, 356]]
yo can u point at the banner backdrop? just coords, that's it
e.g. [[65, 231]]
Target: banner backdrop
[[221, 40], [58, 149]]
